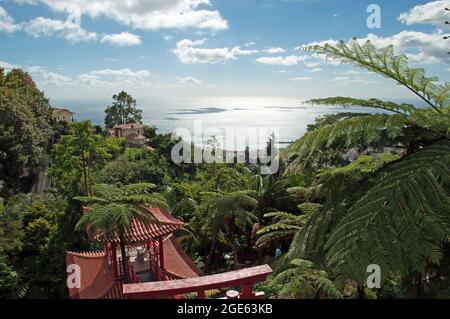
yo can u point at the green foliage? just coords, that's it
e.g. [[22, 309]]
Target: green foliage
[[112, 209], [386, 63], [229, 213], [75, 156], [122, 111], [24, 127], [135, 166], [29, 231], [382, 208], [285, 225], [322, 146], [305, 281], [401, 222], [9, 279]]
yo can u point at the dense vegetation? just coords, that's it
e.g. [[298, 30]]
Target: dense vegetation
[[357, 189]]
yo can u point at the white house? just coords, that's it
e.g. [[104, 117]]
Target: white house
[[62, 115]]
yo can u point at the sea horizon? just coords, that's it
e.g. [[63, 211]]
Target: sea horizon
[[287, 117]]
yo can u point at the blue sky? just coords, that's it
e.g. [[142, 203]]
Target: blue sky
[[80, 49]]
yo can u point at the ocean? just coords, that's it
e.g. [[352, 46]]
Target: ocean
[[287, 118]]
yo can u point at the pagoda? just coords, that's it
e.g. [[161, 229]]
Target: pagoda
[[156, 266]]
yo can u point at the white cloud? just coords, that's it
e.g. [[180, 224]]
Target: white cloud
[[49, 78], [188, 80], [121, 39], [167, 37], [420, 47], [146, 14], [429, 13], [346, 80], [315, 70], [250, 44], [351, 73], [274, 50], [312, 64], [110, 77], [7, 23], [70, 31], [8, 66], [187, 52], [304, 78], [280, 60]]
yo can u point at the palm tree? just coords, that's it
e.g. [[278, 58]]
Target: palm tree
[[113, 209], [231, 211]]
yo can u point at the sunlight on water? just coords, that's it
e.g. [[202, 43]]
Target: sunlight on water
[[289, 117]]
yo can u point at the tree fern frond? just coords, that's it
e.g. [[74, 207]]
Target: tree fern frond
[[405, 109], [385, 62], [409, 201]]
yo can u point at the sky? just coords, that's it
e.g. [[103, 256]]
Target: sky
[[91, 49]]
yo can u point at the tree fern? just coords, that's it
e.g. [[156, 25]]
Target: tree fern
[[303, 280], [386, 63], [113, 210], [402, 222]]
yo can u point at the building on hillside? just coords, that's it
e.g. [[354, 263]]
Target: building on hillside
[[62, 115], [133, 132], [153, 258]]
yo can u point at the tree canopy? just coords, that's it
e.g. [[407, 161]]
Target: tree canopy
[[122, 111]]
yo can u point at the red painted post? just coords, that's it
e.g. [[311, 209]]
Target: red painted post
[[247, 292], [156, 256], [114, 259], [201, 294], [161, 253]]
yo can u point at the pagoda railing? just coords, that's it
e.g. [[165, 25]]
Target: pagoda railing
[[244, 278], [132, 275]]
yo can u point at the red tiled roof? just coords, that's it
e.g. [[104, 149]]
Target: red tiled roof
[[165, 225], [140, 233], [177, 262], [96, 279], [56, 110], [130, 126], [136, 137]]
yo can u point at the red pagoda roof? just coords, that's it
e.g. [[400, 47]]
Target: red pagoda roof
[[96, 280], [176, 262], [139, 233]]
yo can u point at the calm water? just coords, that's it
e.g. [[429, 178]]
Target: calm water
[[287, 117]]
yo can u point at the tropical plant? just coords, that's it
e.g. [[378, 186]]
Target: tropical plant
[[76, 155], [286, 225], [112, 211], [395, 214], [231, 211], [25, 129], [303, 280]]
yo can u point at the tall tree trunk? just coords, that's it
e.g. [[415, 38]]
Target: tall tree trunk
[[83, 157], [361, 292], [209, 257], [232, 229], [123, 252]]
